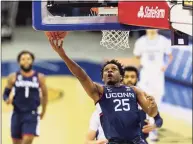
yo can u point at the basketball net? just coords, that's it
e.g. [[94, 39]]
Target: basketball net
[[112, 39]]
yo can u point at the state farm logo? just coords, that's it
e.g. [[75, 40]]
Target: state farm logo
[[147, 12]]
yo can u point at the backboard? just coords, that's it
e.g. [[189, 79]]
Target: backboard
[[77, 15], [124, 15]]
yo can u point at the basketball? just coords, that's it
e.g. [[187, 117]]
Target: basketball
[[58, 35]]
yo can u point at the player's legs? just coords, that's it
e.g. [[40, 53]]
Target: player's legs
[[152, 82], [30, 127], [16, 141], [158, 92], [159, 88], [153, 135], [16, 133], [27, 139]]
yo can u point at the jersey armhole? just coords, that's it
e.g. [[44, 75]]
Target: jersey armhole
[[100, 94]]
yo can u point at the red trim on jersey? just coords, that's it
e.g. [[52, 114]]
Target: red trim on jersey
[[101, 114]]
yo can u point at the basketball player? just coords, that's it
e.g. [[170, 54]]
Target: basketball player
[[116, 103], [26, 85], [131, 76], [154, 51], [96, 134]]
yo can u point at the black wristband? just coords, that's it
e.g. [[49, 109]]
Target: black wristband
[[158, 120], [6, 93]]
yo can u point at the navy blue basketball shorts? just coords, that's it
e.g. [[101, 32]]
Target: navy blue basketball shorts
[[137, 140], [24, 124]]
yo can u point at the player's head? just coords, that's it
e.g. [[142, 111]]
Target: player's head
[[112, 72], [131, 75], [152, 32], [25, 60]]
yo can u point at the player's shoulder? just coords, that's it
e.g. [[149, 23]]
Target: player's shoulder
[[125, 86], [135, 89], [40, 75], [12, 75], [141, 41]]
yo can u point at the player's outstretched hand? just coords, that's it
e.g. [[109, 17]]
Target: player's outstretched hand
[[57, 45], [102, 141], [149, 127]]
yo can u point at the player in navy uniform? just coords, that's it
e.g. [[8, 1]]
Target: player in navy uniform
[[26, 85], [118, 104], [95, 134], [131, 76]]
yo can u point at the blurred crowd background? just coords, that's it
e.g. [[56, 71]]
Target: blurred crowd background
[[67, 98]]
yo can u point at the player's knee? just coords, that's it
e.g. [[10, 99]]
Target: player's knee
[[16, 141], [27, 139]]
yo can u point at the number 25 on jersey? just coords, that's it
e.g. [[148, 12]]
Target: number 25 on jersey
[[122, 104]]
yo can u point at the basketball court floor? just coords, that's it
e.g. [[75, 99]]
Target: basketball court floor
[[69, 110]]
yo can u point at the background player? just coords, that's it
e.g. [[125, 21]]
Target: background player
[[154, 51], [26, 85], [95, 133], [109, 99], [131, 77]]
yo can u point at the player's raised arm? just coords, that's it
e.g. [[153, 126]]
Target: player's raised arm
[[146, 102], [44, 91], [90, 87], [8, 87]]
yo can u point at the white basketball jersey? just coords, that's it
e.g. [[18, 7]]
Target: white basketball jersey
[[95, 125], [152, 51]]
